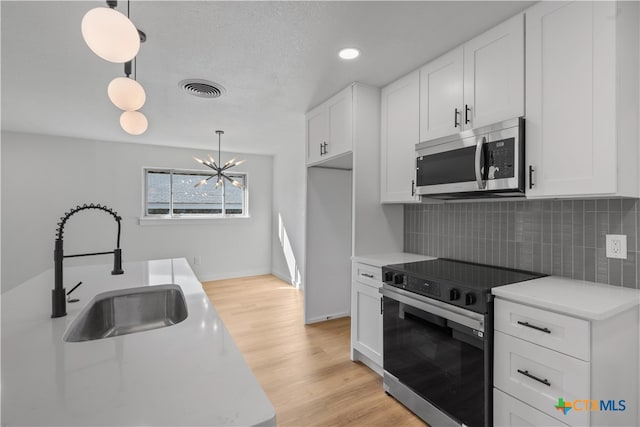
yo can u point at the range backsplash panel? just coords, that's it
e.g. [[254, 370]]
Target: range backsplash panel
[[560, 237]]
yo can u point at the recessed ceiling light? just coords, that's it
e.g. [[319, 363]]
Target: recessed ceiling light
[[349, 53]]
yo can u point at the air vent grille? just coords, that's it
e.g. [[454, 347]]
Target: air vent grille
[[202, 88]]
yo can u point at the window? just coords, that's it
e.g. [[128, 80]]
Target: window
[[171, 193]]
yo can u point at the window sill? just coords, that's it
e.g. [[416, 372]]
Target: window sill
[[145, 221]]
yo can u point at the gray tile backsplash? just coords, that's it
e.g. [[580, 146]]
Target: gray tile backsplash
[[560, 237]]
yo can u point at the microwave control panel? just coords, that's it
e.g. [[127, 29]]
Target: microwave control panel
[[500, 158]]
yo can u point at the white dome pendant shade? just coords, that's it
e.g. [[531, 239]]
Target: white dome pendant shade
[[110, 35], [133, 122], [126, 93]]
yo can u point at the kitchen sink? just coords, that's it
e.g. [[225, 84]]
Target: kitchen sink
[[128, 311]]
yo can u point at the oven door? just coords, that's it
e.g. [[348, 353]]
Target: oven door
[[441, 354]]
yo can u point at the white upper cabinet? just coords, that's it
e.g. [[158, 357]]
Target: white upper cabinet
[[494, 75], [477, 84], [400, 118], [329, 128], [441, 96], [581, 99], [316, 133]]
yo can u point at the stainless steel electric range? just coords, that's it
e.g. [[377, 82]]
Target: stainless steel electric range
[[438, 338]]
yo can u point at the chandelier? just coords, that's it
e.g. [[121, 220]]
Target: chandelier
[[219, 168]]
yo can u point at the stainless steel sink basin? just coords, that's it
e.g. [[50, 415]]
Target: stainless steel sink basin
[[128, 311]]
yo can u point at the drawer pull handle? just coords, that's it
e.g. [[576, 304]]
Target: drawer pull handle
[[533, 377], [537, 328], [370, 276]]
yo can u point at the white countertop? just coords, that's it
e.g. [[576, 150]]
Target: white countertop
[[380, 260], [187, 374], [586, 300]]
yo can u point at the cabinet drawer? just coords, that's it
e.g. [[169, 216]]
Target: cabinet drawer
[[539, 376], [367, 274], [555, 331], [508, 411]]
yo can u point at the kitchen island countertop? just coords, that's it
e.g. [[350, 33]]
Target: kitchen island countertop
[[187, 374]]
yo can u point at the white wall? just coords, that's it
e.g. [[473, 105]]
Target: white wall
[[44, 176], [289, 175]]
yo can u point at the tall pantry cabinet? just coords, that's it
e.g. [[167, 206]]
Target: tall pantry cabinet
[[344, 215]]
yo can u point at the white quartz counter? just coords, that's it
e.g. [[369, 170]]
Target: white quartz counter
[[188, 374], [586, 300], [380, 260]]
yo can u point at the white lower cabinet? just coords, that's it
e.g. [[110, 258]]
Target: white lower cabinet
[[539, 376], [366, 316], [513, 413], [544, 359]]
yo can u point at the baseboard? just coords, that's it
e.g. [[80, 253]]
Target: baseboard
[[359, 357], [231, 275], [325, 318], [283, 276]]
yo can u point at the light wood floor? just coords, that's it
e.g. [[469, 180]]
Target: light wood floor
[[304, 370]]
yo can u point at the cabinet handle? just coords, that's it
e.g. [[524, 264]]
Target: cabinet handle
[[325, 147], [370, 276], [455, 118], [466, 114], [381, 306], [533, 377], [413, 188], [537, 328], [531, 171]]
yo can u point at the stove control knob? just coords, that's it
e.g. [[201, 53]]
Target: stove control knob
[[469, 298], [398, 278], [388, 276], [454, 294]]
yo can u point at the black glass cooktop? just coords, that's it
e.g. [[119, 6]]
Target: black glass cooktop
[[463, 274]]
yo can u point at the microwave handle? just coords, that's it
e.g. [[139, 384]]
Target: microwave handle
[[482, 184]]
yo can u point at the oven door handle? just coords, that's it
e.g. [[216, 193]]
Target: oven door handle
[[447, 311], [482, 183]]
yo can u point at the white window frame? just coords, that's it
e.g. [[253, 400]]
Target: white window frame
[[157, 219]]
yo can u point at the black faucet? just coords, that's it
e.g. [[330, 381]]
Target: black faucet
[[58, 295]]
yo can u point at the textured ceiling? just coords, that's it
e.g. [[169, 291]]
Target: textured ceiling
[[276, 60]]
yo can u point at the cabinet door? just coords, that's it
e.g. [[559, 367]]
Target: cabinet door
[[400, 124], [494, 75], [441, 96], [339, 114], [539, 376], [570, 98], [316, 133], [366, 321], [510, 412]]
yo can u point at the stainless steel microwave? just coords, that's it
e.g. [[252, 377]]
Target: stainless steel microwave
[[487, 162]]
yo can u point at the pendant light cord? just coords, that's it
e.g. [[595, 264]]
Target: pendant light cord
[[135, 59]]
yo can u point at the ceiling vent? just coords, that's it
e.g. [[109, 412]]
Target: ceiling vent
[[202, 88]]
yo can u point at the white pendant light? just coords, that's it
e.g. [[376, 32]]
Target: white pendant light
[[126, 93], [110, 35], [133, 122]]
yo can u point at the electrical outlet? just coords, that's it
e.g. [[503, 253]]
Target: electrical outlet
[[197, 260], [617, 246]]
